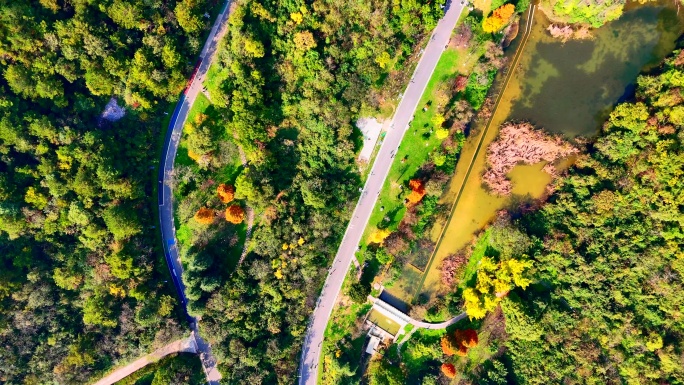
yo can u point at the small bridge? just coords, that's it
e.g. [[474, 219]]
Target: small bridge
[[402, 318]]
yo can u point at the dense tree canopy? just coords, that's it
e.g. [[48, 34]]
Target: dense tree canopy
[[293, 77], [607, 305], [82, 284]]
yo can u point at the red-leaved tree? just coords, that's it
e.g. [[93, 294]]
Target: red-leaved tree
[[449, 370]]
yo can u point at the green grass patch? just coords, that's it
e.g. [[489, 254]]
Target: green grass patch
[[234, 253], [479, 250], [182, 157], [200, 106], [183, 233], [414, 150]]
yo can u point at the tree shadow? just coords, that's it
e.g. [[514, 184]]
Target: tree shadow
[[283, 148]]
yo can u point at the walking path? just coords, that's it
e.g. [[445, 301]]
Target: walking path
[[166, 219], [185, 345], [483, 134], [311, 348], [401, 317]]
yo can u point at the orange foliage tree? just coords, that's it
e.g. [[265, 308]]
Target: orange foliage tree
[[235, 214], [498, 19], [417, 191], [448, 345], [204, 216], [415, 184], [226, 192], [449, 370], [462, 351], [459, 342]]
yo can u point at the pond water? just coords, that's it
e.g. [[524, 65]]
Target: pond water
[[571, 88], [566, 88]]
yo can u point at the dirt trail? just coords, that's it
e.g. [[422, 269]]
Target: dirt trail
[[185, 345]]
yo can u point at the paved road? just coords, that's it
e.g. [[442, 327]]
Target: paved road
[[311, 349], [185, 345], [165, 198]]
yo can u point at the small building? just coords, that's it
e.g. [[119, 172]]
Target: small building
[[373, 344]]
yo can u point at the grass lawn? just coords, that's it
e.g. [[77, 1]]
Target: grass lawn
[[479, 251], [414, 150]]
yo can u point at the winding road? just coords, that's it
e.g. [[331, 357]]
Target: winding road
[[165, 195], [311, 349]]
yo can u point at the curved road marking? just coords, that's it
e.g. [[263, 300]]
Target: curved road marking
[[165, 196]]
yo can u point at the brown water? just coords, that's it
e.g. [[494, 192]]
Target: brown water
[[571, 88], [565, 88]]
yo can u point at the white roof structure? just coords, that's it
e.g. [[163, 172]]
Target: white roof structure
[[372, 346]]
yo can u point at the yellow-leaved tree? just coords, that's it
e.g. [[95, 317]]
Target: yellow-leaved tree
[[494, 281], [379, 235], [498, 19]]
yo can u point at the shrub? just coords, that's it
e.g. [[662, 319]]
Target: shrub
[[226, 192], [395, 244], [452, 266], [417, 191], [441, 134], [235, 214], [384, 257], [460, 83], [449, 346], [378, 236], [359, 292], [498, 19], [469, 338], [449, 370]]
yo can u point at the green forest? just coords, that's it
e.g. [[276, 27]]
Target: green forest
[[83, 285], [183, 368], [587, 287], [292, 78], [607, 301]]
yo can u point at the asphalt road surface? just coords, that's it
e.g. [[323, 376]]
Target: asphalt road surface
[[313, 341], [165, 197]]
